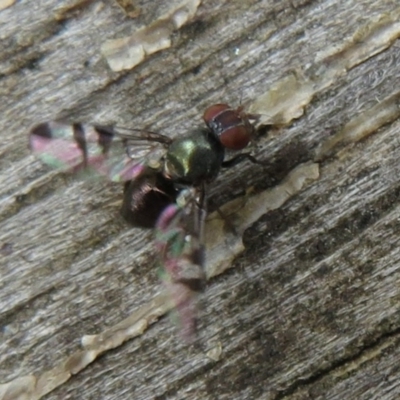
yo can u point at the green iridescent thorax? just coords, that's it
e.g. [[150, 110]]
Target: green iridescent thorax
[[194, 158]]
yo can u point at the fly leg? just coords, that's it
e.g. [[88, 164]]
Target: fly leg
[[239, 158]]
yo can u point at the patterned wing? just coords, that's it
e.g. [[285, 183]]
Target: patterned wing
[[100, 149], [179, 241]]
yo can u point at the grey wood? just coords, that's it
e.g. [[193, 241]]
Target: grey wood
[[309, 310]]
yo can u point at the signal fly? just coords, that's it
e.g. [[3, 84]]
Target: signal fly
[[165, 184]]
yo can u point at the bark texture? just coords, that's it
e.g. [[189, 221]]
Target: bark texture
[[311, 308]]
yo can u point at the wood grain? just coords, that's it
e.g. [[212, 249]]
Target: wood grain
[[310, 309]]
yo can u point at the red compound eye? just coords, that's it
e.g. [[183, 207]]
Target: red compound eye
[[230, 126], [236, 138], [214, 111]]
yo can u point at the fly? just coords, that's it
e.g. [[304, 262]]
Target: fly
[[165, 184]]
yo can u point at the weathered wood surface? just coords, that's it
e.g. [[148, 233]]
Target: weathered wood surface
[[309, 310]]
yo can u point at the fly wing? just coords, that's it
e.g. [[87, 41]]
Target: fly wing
[[179, 241], [99, 149]]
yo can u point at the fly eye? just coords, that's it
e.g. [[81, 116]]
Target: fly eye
[[211, 113], [235, 138], [230, 126]]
